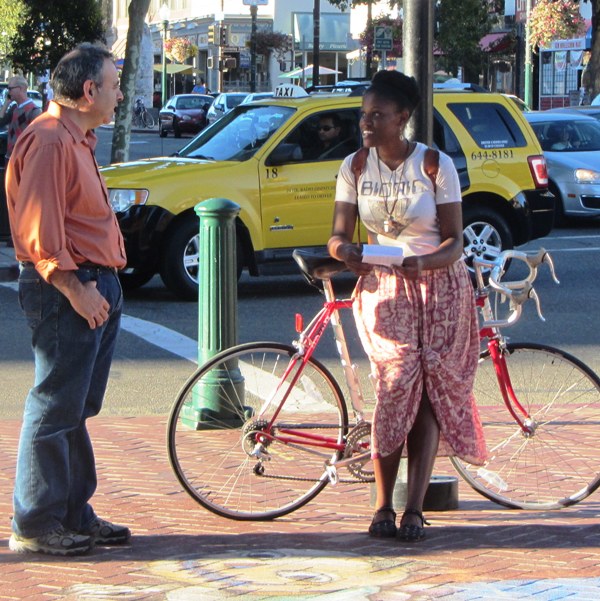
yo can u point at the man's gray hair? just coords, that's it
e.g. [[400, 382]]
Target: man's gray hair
[[84, 62], [18, 80]]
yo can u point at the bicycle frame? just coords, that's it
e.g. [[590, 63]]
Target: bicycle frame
[[306, 344], [310, 336], [496, 345]]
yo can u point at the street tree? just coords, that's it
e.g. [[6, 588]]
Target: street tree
[[137, 11], [592, 70], [461, 25], [47, 30], [10, 16]]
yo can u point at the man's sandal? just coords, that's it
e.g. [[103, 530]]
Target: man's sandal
[[411, 533], [383, 528]]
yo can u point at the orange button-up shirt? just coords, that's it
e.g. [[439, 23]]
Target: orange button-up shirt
[[58, 204]]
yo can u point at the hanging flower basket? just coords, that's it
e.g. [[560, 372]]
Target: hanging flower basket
[[178, 49], [554, 20]]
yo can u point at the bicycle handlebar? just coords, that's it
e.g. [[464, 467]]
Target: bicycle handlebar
[[518, 291]]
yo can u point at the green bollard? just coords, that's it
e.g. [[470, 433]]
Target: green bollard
[[216, 402]]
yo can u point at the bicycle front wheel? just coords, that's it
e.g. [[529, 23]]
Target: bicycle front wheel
[[223, 448], [147, 120], [556, 464]]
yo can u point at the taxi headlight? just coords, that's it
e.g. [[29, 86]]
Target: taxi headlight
[[122, 200], [587, 176]]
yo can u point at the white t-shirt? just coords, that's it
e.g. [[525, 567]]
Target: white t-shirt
[[400, 205]]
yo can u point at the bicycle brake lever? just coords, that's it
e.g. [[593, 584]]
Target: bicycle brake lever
[[536, 298], [550, 262]]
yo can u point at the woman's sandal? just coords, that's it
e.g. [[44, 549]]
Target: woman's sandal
[[411, 533], [383, 528]]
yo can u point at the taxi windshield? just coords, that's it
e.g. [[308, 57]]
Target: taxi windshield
[[237, 135]]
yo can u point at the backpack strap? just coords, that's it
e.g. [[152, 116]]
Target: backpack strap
[[359, 160], [431, 164], [357, 165]]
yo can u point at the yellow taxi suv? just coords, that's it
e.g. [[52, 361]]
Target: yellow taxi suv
[[266, 157]]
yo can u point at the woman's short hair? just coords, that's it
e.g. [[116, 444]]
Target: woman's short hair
[[396, 87], [84, 62]]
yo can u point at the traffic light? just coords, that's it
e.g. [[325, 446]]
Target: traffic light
[[211, 34], [223, 36]]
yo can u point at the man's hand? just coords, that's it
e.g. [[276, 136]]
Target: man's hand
[[84, 298]]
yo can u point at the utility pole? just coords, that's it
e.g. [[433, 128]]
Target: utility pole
[[369, 54], [417, 46], [316, 41], [528, 55], [253, 13]]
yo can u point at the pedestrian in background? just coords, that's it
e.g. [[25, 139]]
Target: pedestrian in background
[[200, 88], [18, 111], [417, 321], [69, 245]]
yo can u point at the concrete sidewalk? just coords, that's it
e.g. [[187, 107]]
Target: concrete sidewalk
[[180, 551]]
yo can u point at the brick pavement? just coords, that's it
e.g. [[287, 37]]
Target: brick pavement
[[180, 551]]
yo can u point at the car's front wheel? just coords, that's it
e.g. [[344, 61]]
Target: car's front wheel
[[181, 260], [176, 129], [486, 234]]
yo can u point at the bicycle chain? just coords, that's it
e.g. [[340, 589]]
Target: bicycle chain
[[360, 431]]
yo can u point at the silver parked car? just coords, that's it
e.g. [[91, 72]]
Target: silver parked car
[[223, 104], [589, 110], [571, 145]]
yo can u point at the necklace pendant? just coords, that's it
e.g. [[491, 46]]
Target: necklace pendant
[[387, 226]]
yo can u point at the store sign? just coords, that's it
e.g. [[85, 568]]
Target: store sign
[[255, 2], [573, 44]]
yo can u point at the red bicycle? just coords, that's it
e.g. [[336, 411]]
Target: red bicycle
[[262, 428]]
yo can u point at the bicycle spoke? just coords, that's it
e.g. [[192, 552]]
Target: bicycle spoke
[[221, 444], [558, 463]]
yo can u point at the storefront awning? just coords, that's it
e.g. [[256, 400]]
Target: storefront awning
[[495, 42], [174, 68]]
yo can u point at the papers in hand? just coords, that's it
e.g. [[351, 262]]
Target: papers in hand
[[382, 255]]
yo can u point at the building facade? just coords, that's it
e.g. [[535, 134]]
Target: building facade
[[220, 33]]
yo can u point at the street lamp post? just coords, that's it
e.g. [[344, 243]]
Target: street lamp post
[[164, 13]]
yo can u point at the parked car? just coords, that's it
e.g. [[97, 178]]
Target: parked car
[[261, 156], [223, 104], [590, 111], [256, 96], [571, 145], [184, 113]]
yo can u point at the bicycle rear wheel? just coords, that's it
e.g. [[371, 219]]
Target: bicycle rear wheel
[[557, 464], [147, 119], [221, 414]]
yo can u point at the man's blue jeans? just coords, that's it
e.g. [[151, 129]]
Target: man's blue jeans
[[56, 472]]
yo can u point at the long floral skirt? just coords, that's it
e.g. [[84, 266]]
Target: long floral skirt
[[420, 333]]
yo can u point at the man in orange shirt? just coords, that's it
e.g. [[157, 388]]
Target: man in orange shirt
[[68, 242]]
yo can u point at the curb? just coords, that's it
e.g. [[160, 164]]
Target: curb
[[9, 273]]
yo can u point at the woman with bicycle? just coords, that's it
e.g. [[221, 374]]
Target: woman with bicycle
[[417, 320]]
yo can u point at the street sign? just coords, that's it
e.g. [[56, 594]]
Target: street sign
[[255, 2], [383, 38]]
